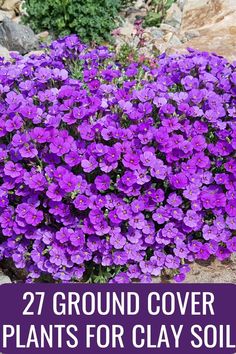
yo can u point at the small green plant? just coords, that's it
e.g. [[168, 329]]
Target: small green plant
[[157, 13], [92, 20], [127, 53]]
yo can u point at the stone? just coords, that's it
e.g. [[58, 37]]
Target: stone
[[221, 45], [17, 19], [160, 46], [4, 53], [9, 14], [211, 271], [10, 4], [155, 32], [35, 53], [173, 16], [215, 22], [139, 4], [43, 35], [167, 36], [132, 15], [164, 27], [204, 13], [181, 4], [174, 41], [17, 37], [191, 34], [4, 279], [127, 30]]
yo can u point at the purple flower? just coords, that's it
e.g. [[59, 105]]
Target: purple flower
[[59, 146], [191, 219], [120, 257], [34, 216], [131, 161], [81, 202], [89, 165], [138, 221], [102, 182], [13, 170], [179, 181], [14, 124], [35, 181], [68, 182], [203, 253], [54, 192]]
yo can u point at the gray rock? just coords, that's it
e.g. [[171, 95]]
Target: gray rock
[[181, 4], [17, 37], [4, 53], [155, 32], [191, 34], [9, 14], [174, 41], [4, 279], [174, 16], [167, 28]]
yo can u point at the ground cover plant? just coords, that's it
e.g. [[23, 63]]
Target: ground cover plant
[[116, 173]]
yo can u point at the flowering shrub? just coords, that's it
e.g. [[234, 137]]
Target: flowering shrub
[[112, 173]]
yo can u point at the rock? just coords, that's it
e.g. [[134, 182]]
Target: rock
[[4, 53], [35, 53], [213, 43], [17, 19], [191, 34], [167, 28], [160, 46], [17, 37], [127, 30], [139, 4], [173, 16], [9, 14], [215, 272], [132, 15], [4, 279], [167, 36], [205, 13], [155, 32], [10, 4], [174, 41], [181, 4], [215, 22], [43, 35], [207, 25], [212, 271]]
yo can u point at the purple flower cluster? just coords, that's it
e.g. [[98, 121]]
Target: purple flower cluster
[[116, 171]]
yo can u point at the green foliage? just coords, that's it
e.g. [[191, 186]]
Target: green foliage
[[92, 20], [157, 13], [126, 54]]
